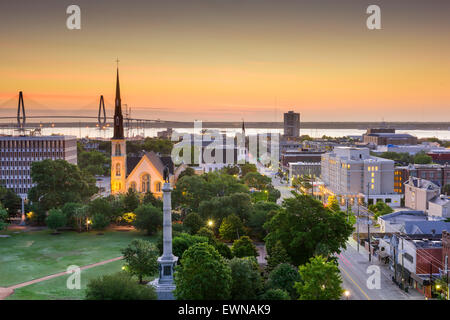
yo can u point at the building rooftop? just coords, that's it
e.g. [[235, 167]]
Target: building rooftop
[[425, 227], [422, 183]]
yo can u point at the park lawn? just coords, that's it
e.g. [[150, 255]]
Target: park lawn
[[56, 288], [30, 255]]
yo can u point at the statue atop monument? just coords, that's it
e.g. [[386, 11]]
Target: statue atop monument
[[166, 174]]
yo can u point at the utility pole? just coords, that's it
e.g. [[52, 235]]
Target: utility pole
[[403, 263], [357, 227], [348, 216]]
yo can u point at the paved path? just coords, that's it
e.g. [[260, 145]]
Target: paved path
[[5, 292]]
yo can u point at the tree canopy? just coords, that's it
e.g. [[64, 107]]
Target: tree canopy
[[320, 280], [66, 183], [305, 228], [202, 275]]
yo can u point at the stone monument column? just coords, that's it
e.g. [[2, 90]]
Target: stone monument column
[[164, 284]]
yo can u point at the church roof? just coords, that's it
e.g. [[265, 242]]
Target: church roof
[[157, 161]]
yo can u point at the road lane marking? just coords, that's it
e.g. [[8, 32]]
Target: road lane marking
[[368, 298]]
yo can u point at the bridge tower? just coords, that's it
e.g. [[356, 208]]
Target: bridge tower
[[21, 119], [101, 106]]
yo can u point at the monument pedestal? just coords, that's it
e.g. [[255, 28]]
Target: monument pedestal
[[165, 285]]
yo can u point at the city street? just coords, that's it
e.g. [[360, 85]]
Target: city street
[[353, 266], [284, 188]]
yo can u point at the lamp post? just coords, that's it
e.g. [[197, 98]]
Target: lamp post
[[347, 294]]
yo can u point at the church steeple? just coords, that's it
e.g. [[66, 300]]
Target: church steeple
[[118, 117]]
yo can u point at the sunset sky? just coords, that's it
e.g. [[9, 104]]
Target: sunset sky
[[229, 59]]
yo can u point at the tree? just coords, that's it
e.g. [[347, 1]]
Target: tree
[[141, 258], [333, 204], [218, 208], [193, 222], [275, 294], [246, 168], [258, 217], [446, 190], [148, 218], [69, 210], [274, 194], [100, 206], [10, 200], [3, 218], [66, 183], [246, 281], [422, 158], [186, 172], [202, 275], [206, 232], [320, 280], [94, 162], [149, 198], [56, 219], [276, 255], [100, 221], [231, 228], [184, 241], [130, 200], [380, 209], [305, 227], [223, 249], [284, 276], [118, 286], [256, 180], [231, 170], [244, 247]]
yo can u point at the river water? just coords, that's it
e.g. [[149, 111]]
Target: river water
[[94, 132]]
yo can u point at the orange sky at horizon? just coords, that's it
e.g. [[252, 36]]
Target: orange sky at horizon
[[228, 67]]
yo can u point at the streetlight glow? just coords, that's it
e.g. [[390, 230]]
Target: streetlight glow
[[210, 223]]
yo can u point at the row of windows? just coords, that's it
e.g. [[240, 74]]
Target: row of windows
[[10, 172], [31, 155], [32, 144]]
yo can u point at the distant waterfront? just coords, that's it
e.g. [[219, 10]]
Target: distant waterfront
[[94, 132]]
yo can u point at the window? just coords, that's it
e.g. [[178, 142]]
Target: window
[[133, 186], [372, 187], [145, 183], [118, 169], [158, 187], [118, 151]]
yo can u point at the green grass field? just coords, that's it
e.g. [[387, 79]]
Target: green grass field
[[56, 288], [30, 255]]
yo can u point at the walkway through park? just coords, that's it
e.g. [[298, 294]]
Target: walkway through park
[[6, 292]]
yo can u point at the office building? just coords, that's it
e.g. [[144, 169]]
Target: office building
[[17, 153], [291, 125], [352, 173]]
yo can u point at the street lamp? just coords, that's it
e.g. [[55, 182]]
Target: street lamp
[[347, 294], [210, 223]]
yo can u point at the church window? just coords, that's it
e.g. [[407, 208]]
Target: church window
[[118, 169], [118, 151], [145, 183], [133, 186], [158, 186]]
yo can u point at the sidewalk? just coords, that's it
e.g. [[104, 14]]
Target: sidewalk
[[386, 273]]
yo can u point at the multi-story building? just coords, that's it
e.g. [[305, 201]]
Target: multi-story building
[[298, 169], [438, 174], [352, 173], [378, 136], [300, 156], [418, 192], [441, 156], [17, 153], [291, 124]]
